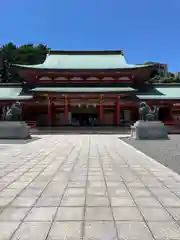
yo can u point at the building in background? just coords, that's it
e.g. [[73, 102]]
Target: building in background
[[176, 74], [162, 69]]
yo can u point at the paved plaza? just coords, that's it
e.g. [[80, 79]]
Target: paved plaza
[[91, 187]]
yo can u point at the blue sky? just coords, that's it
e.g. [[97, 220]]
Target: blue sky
[[145, 30]]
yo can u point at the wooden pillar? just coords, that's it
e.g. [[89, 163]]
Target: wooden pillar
[[22, 111], [171, 112], [66, 108], [52, 110], [101, 107], [100, 111], [118, 110], [49, 110]]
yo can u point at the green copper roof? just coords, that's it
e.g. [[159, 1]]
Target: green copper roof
[[82, 89], [12, 93], [85, 60], [162, 93]]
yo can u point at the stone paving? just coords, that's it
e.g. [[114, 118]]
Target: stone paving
[[92, 187]]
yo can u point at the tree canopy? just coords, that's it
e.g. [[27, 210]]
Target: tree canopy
[[25, 54]]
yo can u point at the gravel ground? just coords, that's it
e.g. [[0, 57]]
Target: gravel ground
[[166, 152]]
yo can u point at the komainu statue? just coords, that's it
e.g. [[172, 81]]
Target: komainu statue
[[146, 114], [14, 112]]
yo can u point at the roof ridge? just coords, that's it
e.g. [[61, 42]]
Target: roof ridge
[[84, 52]]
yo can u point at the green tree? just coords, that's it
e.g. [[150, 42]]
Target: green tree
[[5, 73], [177, 79], [9, 52], [24, 54], [27, 54], [149, 62], [31, 54]]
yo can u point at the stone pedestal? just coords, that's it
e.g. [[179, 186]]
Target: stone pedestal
[[14, 130], [150, 130]]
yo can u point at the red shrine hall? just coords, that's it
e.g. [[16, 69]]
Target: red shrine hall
[[89, 88]]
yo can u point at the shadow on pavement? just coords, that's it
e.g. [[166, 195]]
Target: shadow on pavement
[[166, 152], [81, 130], [18, 141]]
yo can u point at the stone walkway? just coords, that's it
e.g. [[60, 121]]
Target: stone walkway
[[86, 187]]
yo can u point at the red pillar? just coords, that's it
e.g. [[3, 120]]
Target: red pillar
[[66, 108], [101, 108], [49, 111], [52, 110], [171, 112], [117, 110], [100, 112]]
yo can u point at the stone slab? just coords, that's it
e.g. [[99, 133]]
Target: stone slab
[[14, 130], [138, 199], [150, 130]]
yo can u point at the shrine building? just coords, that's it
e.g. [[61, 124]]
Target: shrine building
[[89, 88]]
